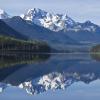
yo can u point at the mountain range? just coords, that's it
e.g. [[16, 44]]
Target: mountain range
[[56, 22], [53, 28], [84, 32]]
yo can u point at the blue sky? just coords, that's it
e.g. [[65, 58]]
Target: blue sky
[[79, 10]]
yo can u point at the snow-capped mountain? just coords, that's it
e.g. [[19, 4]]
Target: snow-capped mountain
[[57, 22], [51, 21], [3, 14]]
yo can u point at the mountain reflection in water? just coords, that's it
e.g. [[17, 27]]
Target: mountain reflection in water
[[38, 73]]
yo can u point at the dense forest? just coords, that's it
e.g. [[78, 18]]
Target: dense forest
[[9, 44], [95, 52]]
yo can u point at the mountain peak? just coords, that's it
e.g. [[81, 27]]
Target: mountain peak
[[3, 14], [36, 10], [88, 22], [1, 11], [34, 13]]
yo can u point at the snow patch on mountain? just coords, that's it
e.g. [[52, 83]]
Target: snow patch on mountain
[[3, 14], [3, 86]]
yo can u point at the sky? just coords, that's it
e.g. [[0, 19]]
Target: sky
[[79, 10]]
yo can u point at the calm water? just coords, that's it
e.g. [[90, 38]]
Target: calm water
[[50, 77]]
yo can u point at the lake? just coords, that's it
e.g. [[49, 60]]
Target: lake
[[70, 76]]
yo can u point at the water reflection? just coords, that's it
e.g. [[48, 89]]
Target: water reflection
[[8, 60], [96, 56], [51, 72]]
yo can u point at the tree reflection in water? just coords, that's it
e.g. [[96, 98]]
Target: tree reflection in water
[[9, 60]]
